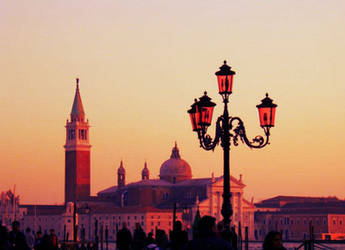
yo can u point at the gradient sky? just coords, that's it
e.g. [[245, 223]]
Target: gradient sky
[[141, 64]]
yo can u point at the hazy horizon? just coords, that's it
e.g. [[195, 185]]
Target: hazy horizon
[[141, 64]]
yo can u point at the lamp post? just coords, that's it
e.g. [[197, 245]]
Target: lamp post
[[228, 129]]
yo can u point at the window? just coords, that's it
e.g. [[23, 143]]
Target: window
[[135, 217], [341, 222], [151, 223], [72, 134], [159, 223], [334, 222], [142, 217]]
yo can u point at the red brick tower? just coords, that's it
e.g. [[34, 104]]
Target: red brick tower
[[77, 153]]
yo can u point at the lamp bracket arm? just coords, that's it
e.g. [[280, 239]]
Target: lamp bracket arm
[[237, 126], [206, 141]]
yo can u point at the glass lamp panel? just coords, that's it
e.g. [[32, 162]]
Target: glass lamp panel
[[266, 115], [194, 121], [273, 116], [205, 117], [225, 83]]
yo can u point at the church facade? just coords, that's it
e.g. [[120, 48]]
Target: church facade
[[176, 187], [149, 201]]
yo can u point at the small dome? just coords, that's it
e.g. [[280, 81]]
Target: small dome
[[175, 169], [121, 169]]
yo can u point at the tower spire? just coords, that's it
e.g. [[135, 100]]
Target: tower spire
[[77, 113], [77, 80]]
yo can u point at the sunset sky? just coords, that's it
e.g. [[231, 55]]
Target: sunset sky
[[141, 64]]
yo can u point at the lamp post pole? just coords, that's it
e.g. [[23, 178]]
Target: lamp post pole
[[228, 129], [226, 207]]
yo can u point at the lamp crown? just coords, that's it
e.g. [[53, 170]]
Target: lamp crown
[[205, 101], [266, 102], [225, 70]]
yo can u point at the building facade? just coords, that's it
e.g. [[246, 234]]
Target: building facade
[[151, 202], [301, 218]]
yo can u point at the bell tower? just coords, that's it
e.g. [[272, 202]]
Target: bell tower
[[77, 153], [121, 176], [145, 173]]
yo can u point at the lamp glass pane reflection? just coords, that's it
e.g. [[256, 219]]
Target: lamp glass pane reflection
[[267, 110]]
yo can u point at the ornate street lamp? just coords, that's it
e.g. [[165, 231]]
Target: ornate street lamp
[[228, 129]]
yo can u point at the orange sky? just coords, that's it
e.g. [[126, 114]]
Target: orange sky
[[141, 64]]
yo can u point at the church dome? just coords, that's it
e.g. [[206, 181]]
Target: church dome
[[175, 169]]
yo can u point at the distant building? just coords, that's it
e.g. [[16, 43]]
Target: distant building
[[296, 217], [149, 202]]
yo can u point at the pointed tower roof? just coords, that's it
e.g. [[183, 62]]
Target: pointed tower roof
[[77, 108], [145, 170], [121, 169]]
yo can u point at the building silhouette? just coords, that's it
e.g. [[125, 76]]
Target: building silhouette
[[149, 201]]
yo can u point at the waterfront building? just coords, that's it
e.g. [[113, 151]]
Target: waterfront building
[[150, 202], [301, 218]]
